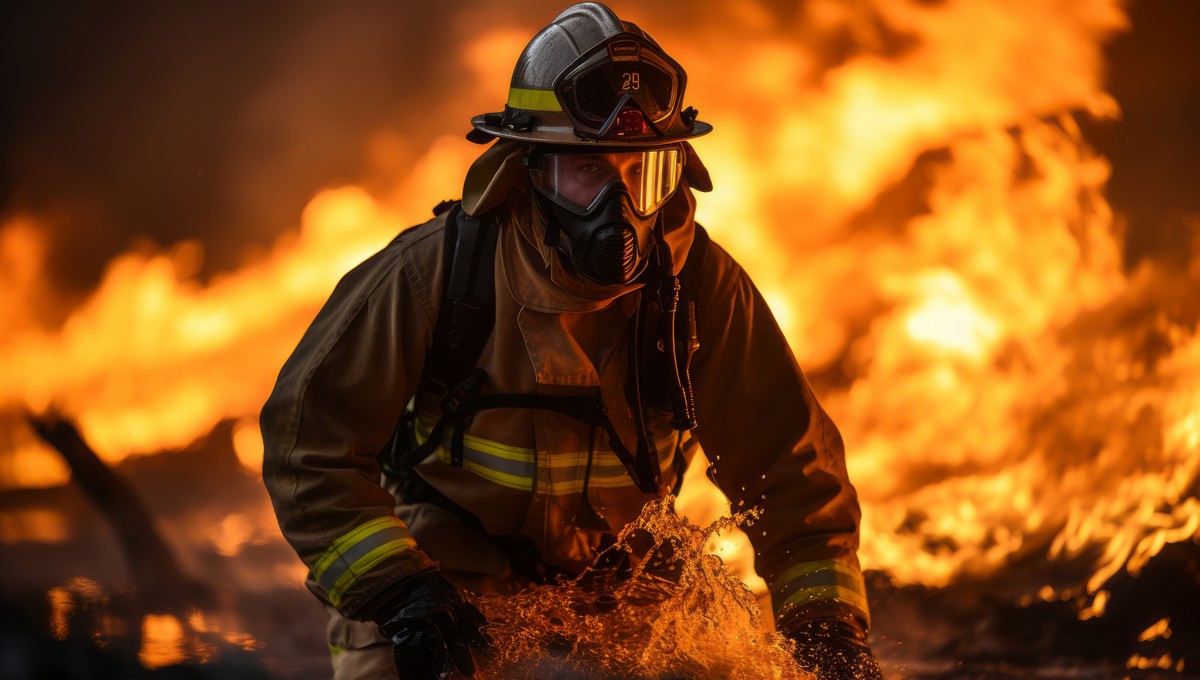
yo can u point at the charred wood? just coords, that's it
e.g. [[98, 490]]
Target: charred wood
[[162, 584]]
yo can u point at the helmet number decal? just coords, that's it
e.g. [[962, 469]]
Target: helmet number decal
[[631, 81]]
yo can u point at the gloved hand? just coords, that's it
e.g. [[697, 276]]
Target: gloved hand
[[432, 628], [834, 649]]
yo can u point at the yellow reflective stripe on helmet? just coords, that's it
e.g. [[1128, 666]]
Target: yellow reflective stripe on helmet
[[364, 564], [808, 582], [533, 100], [343, 562]]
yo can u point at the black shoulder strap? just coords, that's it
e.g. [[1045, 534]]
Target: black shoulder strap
[[468, 311]]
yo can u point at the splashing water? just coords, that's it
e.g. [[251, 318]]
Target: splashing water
[[656, 604]]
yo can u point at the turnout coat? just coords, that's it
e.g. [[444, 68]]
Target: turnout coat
[[340, 395]]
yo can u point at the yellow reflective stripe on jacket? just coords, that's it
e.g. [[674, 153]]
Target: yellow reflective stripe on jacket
[[515, 467], [508, 466], [607, 471], [533, 100], [805, 596], [357, 552], [809, 582], [365, 564]]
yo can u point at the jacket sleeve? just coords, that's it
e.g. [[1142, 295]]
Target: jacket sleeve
[[772, 446], [335, 404]]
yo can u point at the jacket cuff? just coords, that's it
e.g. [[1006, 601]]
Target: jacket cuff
[[821, 589], [366, 561]]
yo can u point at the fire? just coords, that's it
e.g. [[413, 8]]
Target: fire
[[154, 359], [1160, 629], [248, 443], [921, 211], [162, 641], [1164, 662], [43, 525]]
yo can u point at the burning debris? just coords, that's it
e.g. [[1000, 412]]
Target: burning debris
[[159, 622], [27, 653], [163, 587]]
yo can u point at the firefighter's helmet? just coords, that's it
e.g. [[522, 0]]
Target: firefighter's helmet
[[589, 78]]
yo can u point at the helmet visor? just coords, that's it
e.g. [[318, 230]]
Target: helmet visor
[[611, 75], [580, 181]]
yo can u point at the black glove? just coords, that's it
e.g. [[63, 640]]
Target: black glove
[[834, 649], [432, 628]]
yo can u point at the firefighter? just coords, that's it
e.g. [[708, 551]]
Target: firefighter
[[484, 403]]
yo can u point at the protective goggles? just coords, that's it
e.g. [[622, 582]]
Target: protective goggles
[[625, 87], [580, 181]]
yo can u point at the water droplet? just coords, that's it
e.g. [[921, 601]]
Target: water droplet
[[679, 592]]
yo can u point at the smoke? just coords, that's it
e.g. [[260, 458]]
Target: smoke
[[194, 120]]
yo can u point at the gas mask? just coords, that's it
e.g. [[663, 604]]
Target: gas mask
[[601, 205]]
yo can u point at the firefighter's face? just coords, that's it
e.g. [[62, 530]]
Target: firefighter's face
[[579, 181], [604, 202], [584, 175]]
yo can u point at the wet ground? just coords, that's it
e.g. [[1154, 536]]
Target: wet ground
[[261, 623]]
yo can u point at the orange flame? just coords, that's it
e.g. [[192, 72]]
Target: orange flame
[[154, 360], [987, 409]]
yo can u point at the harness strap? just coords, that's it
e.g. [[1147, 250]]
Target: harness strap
[[468, 313], [641, 468]]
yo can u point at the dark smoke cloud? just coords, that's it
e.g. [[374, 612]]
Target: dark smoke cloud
[[187, 119]]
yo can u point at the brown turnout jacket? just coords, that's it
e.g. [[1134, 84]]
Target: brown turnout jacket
[[339, 396]]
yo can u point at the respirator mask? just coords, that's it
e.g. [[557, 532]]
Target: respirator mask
[[602, 205]]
